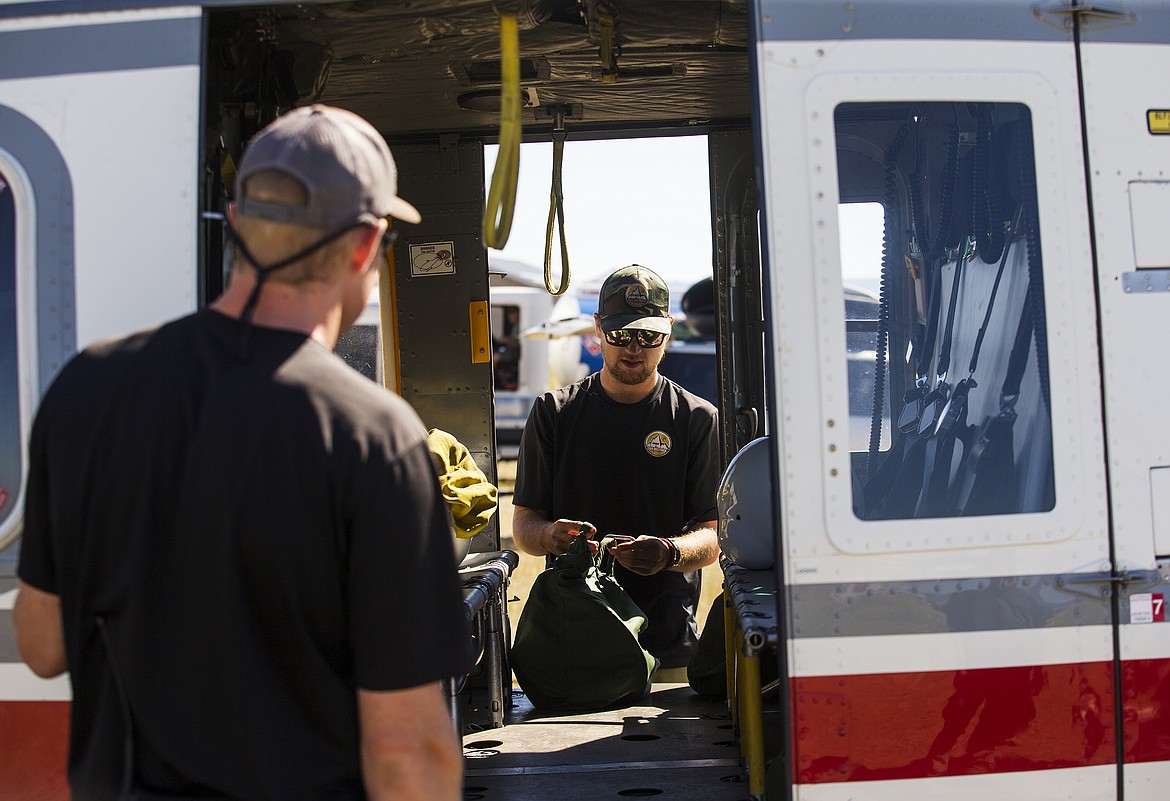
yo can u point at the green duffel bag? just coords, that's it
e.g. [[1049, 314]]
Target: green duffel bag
[[576, 646]]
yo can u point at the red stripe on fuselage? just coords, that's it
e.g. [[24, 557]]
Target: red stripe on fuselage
[[34, 744], [1145, 701], [966, 722]]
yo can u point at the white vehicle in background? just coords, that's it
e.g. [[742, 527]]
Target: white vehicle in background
[[539, 342]]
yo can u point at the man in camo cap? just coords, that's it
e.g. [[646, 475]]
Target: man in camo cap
[[628, 452]]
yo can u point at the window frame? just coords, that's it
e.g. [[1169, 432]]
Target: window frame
[[1075, 474], [27, 367]]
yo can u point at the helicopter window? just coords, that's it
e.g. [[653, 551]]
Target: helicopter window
[[949, 342], [861, 249], [11, 419]]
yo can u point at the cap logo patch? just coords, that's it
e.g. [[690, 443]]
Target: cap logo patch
[[636, 296], [657, 443]]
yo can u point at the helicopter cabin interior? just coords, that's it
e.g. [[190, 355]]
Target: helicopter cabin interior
[[429, 76], [945, 378]]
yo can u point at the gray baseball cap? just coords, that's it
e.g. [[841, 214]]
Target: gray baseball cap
[[634, 297], [341, 160]]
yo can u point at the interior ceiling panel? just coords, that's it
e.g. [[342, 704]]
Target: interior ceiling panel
[[406, 66]]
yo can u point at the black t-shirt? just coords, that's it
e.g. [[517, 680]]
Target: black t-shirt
[[650, 467], [262, 537]]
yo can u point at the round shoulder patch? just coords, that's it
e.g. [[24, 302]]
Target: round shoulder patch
[[657, 443]]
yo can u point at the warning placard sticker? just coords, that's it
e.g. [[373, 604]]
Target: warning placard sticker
[[1158, 120], [432, 258], [1147, 607]]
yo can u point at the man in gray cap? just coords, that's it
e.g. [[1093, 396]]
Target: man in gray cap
[[628, 452], [219, 512]]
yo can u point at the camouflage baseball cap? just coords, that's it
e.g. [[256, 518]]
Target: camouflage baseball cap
[[634, 297]]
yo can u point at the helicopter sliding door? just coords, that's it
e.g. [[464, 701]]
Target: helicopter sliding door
[[938, 430], [1127, 124]]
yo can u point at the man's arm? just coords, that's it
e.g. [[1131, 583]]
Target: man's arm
[[536, 535], [40, 638], [697, 548], [409, 748]]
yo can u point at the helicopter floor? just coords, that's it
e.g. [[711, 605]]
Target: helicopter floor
[[675, 745]]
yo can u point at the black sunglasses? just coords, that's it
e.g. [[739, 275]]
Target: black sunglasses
[[646, 339]]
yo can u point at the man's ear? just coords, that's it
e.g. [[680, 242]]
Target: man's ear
[[597, 324], [366, 249]]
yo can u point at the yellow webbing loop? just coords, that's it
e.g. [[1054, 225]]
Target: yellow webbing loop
[[556, 212], [501, 201]]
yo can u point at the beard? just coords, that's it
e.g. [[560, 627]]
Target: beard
[[626, 375]]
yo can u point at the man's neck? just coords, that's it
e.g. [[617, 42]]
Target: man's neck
[[627, 393], [309, 309]]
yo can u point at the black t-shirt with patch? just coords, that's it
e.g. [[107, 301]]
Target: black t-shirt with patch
[[262, 536], [650, 467]]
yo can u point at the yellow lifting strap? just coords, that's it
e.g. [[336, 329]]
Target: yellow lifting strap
[[556, 211], [501, 200]]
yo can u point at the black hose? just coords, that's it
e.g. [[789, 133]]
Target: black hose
[[891, 253], [989, 235], [947, 211], [1035, 261]]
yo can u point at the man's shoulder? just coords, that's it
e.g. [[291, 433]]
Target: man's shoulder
[[164, 335], [356, 403], [110, 355], [563, 396], [682, 398]]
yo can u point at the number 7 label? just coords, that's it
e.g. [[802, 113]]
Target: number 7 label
[[1147, 607]]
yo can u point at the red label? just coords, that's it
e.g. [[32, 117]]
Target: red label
[[1159, 607], [3, 497]]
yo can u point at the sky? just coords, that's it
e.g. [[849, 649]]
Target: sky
[[628, 201], [644, 201]]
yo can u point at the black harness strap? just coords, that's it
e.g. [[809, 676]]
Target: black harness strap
[[941, 405], [940, 391], [951, 426], [1015, 226], [893, 490], [986, 483]]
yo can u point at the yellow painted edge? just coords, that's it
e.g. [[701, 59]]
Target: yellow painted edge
[[388, 312], [481, 337]]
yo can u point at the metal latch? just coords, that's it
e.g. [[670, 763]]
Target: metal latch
[[1100, 585], [1091, 17]]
